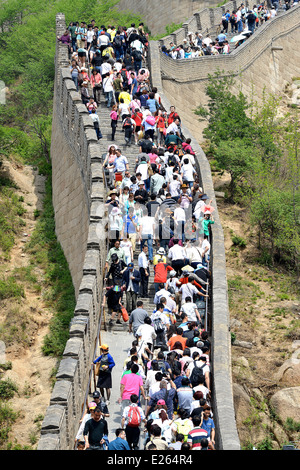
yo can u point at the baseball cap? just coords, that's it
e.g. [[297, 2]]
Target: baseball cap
[[161, 402], [104, 347], [92, 405]]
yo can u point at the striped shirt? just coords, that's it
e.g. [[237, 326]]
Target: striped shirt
[[195, 436]]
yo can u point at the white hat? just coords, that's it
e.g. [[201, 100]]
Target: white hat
[[161, 251]]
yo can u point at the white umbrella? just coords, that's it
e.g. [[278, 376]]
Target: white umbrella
[[237, 38]]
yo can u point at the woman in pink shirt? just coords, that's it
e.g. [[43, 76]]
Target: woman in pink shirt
[[96, 81], [131, 384]]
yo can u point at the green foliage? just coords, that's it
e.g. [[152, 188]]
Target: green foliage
[[291, 425], [260, 151], [170, 28], [7, 389], [47, 253], [9, 288], [239, 241], [7, 418], [265, 444]]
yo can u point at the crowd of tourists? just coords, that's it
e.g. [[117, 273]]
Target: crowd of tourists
[[157, 211], [241, 22]]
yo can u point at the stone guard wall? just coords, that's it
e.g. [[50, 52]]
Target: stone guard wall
[[158, 14], [78, 195], [204, 21]]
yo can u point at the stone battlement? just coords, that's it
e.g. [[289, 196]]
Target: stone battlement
[[78, 200]]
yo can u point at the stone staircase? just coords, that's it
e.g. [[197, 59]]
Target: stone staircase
[[131, 152]]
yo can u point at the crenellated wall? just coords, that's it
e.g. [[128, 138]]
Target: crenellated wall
[[78, 196], [264, 63], [269, 59], [158, 14], [205, 21]]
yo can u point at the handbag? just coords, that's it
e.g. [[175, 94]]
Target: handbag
[[97, 368], [125, 315]]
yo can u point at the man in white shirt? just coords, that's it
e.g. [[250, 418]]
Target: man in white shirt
[[143, 264], [174, 187], [187, 290], [162, 292], [105, 68], [173, 127], [160, 316], [191, 310], [120, 163], [147, 227], [188, 172], [107, 84], [143, 169], [207, 41], [205, 247], [201, 363], [177, 255], [146, 333], [180, 219]]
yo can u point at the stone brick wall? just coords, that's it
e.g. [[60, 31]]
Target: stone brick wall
[[205, 21], [264, 63], [158, 14], [78, 196]]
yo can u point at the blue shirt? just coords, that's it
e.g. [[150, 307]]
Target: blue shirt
[[208, 425], [129, 226], [118, 444], [120, 163], [152, 104], [135, 86]]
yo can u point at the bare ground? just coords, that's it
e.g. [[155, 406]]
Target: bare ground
[[31, 371]]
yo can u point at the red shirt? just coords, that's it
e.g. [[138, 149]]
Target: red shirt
[[176, 338], [161, 272], [138, 118]]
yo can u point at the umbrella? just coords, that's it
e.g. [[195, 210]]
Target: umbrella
[[237, 38], [187, 268]]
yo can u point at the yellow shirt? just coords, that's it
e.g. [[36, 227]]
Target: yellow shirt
[[125, 96], [109, 50], [158, 257]]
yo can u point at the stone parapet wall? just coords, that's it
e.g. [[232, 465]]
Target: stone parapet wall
[[205, 21], [158, 14], [263, 64], [226, 432], [80, 218], [238, 60]]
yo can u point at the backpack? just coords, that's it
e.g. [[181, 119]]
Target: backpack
[[184, 428], [137, 55], [158, 325], [171, 159], [127, 122], [134, 417], [162, 365], [197, 372], [124, 78], [118, 41]]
